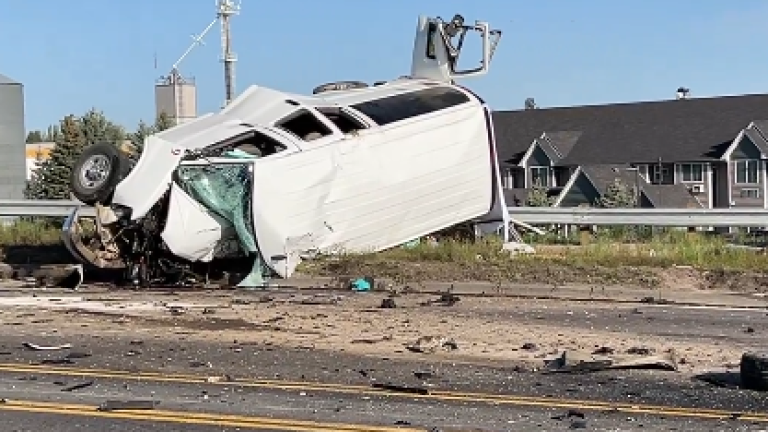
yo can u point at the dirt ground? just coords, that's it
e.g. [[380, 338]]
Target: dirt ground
[[485, 330]]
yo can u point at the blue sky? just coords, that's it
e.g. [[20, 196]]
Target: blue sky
[[75, 55]]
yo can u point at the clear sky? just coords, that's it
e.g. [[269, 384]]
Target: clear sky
[[75, 55]]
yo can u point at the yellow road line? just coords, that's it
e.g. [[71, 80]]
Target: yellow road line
[[190, 418], [493, 399]]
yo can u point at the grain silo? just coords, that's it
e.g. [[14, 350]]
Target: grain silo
[[12, 147], [177, 97]]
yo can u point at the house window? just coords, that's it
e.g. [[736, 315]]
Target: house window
[[659, 174], [507, 178], [691, 172], [747, 171], [540, 176], [750, 193]]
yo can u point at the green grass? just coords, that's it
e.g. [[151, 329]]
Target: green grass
[[29, 233], [665, 250], [611, 249]]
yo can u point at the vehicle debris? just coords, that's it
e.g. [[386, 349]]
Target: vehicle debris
[[401, 388], [431, 344], [388, 303], [78, 386], [36, 347], [575, 362], [128, 405], [754, 370], [228, 192]]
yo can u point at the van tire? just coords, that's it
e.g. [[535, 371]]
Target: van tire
[[754, 371], [97, 172]]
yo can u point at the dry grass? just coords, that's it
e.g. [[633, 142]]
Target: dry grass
[[29, 233], [608, 260]]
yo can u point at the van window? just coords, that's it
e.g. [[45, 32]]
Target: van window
[[304, 125], [412, 104], [345, 122]]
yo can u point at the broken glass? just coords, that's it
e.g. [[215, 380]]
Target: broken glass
[[225, 189]]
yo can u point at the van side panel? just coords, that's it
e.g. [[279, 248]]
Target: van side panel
[[379, 189]]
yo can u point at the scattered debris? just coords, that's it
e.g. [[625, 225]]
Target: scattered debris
[[218, 379], [372, 341], [362, 284], [401, 388], [177, 310], [320, 299], [644, 351], [430, 344], [568, 415], [209, 311], [754, 371], [529, 346], [573, 362], [654, 300], [78, 386], [36, 347], [603, 350], [122, 405], [388, 303], [424, 374], [57, 361]]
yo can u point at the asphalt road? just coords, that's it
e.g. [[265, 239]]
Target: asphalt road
[[272, 388]]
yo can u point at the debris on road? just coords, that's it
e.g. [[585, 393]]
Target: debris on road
[[431, 344], [128, 405], [78, 386], [388, 303], [36, 347], [754, 370], [401, 388], [574, 361]]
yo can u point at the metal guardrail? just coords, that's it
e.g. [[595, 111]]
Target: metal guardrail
[[735, 217], [53, 208]]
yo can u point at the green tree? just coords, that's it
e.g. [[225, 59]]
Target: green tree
[[538, 197], [618, 195], [51, 179], [163, 121], [35, 136], [95, 127], [143, 130]]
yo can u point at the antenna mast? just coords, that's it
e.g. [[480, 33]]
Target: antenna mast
[[226, 9]]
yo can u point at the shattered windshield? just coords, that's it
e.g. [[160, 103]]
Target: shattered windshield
[[226, 190]]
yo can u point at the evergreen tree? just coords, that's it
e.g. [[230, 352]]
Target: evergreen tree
[[51, 179], [538, 197], [143, 130], [96, 128], [163, 122], [35, 136], [618, 195]]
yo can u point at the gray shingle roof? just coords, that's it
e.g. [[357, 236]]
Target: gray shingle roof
[[675, 130]]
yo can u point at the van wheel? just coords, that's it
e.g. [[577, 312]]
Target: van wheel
[[97, 172], [754, 371]]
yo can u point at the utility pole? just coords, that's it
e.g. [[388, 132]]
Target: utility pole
[[226, 9]]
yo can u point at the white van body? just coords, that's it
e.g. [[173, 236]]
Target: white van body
[[356, 170]]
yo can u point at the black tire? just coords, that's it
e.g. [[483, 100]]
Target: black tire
[[97, 172], [754, 371]]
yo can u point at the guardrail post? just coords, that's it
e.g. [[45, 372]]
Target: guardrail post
[[691, 233], [585, 235]]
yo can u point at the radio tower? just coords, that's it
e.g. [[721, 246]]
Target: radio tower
[[226, 9]]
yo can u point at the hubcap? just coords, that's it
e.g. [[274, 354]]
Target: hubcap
[[95, 171]]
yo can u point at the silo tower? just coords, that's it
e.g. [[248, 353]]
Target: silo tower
[[176, 95]]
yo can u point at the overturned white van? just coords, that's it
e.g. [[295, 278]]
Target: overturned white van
[[275, 178]]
